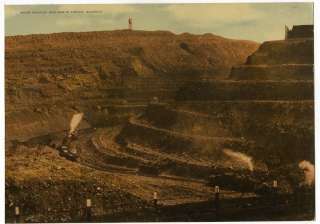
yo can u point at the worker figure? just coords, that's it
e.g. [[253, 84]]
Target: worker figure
[[130, 23]]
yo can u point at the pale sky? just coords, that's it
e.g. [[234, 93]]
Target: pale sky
[[251, 21]]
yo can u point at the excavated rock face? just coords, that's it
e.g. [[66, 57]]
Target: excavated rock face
[[269, 100], [49, 77], [110, 77], [292, 51], [161, 118], [290, 59]]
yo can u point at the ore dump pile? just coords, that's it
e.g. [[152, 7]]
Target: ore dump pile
[[144, 126]]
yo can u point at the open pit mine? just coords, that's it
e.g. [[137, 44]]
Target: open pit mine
[[153, 126]]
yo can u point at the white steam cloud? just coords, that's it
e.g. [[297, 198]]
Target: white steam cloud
[[75, 121], [308, 169], [240, 157]]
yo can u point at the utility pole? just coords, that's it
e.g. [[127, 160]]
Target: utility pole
[[16, 214], [217, 202], [88, 213]]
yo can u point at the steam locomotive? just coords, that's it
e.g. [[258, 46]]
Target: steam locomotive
[[64, 148]]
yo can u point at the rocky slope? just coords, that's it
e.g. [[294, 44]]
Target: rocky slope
[[269, 99], [50, 76], [278, 60], [161, 114], [116, 54]]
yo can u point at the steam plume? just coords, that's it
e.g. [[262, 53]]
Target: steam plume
[[75, 121], [308, 169], [240, 157]]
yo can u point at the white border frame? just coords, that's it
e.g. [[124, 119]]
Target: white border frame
[[29, 2]]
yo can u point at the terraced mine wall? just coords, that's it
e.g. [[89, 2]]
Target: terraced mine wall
[[158, 117], [32, 123], [268, 100], [246, 90], [37, 115], [184, 120], [273, 72], [174, 142], [278, 60], [282, 130], [294, 51], [49, 77]]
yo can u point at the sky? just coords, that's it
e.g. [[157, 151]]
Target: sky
[[251, 21]]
